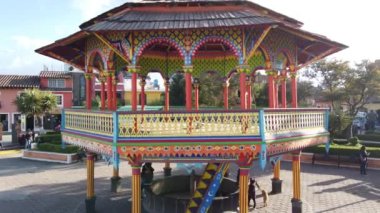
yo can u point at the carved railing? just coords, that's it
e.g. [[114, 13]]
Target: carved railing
[[194, 124], [178, 124], [287, 120], [96, 122]]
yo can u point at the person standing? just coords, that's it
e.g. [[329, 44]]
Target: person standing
[[147, 174], [363, 160], [252, 192]]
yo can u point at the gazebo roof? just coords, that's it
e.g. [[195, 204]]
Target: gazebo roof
[[179, 14], [187, 14]]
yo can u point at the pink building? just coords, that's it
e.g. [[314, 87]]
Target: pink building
[[59, 83], [10, 87]]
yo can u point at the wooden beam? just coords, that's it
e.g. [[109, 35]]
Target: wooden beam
[[109, 45], [65, 60], [318, 57], [257, 44], [310, 38]]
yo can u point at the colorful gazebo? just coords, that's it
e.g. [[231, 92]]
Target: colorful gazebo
[[231, 38]]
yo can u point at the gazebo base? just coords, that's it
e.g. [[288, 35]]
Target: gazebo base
[[276, 186], [296, 206], [90, 205]]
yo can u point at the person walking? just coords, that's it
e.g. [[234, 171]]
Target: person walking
[[363, 160]]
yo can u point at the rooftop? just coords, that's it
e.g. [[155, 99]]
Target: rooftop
[[19, 81], [55, 74]]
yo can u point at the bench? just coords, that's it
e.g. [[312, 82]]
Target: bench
[[352, 161]]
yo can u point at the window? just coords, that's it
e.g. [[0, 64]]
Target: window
[[56, 83], [59, 100]]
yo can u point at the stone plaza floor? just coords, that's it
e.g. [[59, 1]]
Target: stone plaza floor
[[41, 187]]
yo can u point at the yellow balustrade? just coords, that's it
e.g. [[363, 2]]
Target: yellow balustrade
[[91, 122], [188, 124], [285, 121], [173, 124]]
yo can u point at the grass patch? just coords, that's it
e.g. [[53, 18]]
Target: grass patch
[[344, 150]]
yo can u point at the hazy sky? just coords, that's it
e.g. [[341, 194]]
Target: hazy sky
[[27, 25]]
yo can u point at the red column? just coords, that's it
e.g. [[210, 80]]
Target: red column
[[242, 91], [142, 93], [114, 93], [188, 86], [102, 94], [196, 91], [249, 93], [88, 77], [270, 89], [275, 92], [109, 90], [225, 94], [167, 85], [293, 76], [283, 91], [134, 92]]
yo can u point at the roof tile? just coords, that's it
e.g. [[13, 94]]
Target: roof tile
[[19, 81], [54, 74]]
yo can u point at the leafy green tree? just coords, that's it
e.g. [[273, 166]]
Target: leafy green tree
[[177, 90], [331, 75], [352, 86], [34, 102], [361, 84], [211, 90]]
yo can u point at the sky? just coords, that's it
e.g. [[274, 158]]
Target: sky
[[28, 25]]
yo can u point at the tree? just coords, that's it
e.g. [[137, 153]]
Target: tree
[[361, 84], [34, 102], [177, 90], [351, 86], [211, 90], [331, 75]]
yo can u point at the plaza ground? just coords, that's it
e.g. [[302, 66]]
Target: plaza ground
[[32, 186]]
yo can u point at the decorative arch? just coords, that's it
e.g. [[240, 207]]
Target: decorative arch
[[94, 56], [235, 48], [140, 49], [288, 55], [231, 73], [265, 52]]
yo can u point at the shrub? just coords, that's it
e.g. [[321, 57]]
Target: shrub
[[343, 150], [47, 147], [370, 137], [354, 141], [50, 138]]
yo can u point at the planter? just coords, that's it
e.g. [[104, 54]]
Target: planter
[[49, 156]]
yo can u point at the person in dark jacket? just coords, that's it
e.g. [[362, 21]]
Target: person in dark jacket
[[147, 173], [363, 160], [252, 192]]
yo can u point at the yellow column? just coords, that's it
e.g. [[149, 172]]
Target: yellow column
[[90, 176], [90, 195], [243, 189], [276, 170], [136, 189], [296, 166]]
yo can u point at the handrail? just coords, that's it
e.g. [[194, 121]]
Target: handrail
[[180, 124], [202, 123]]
